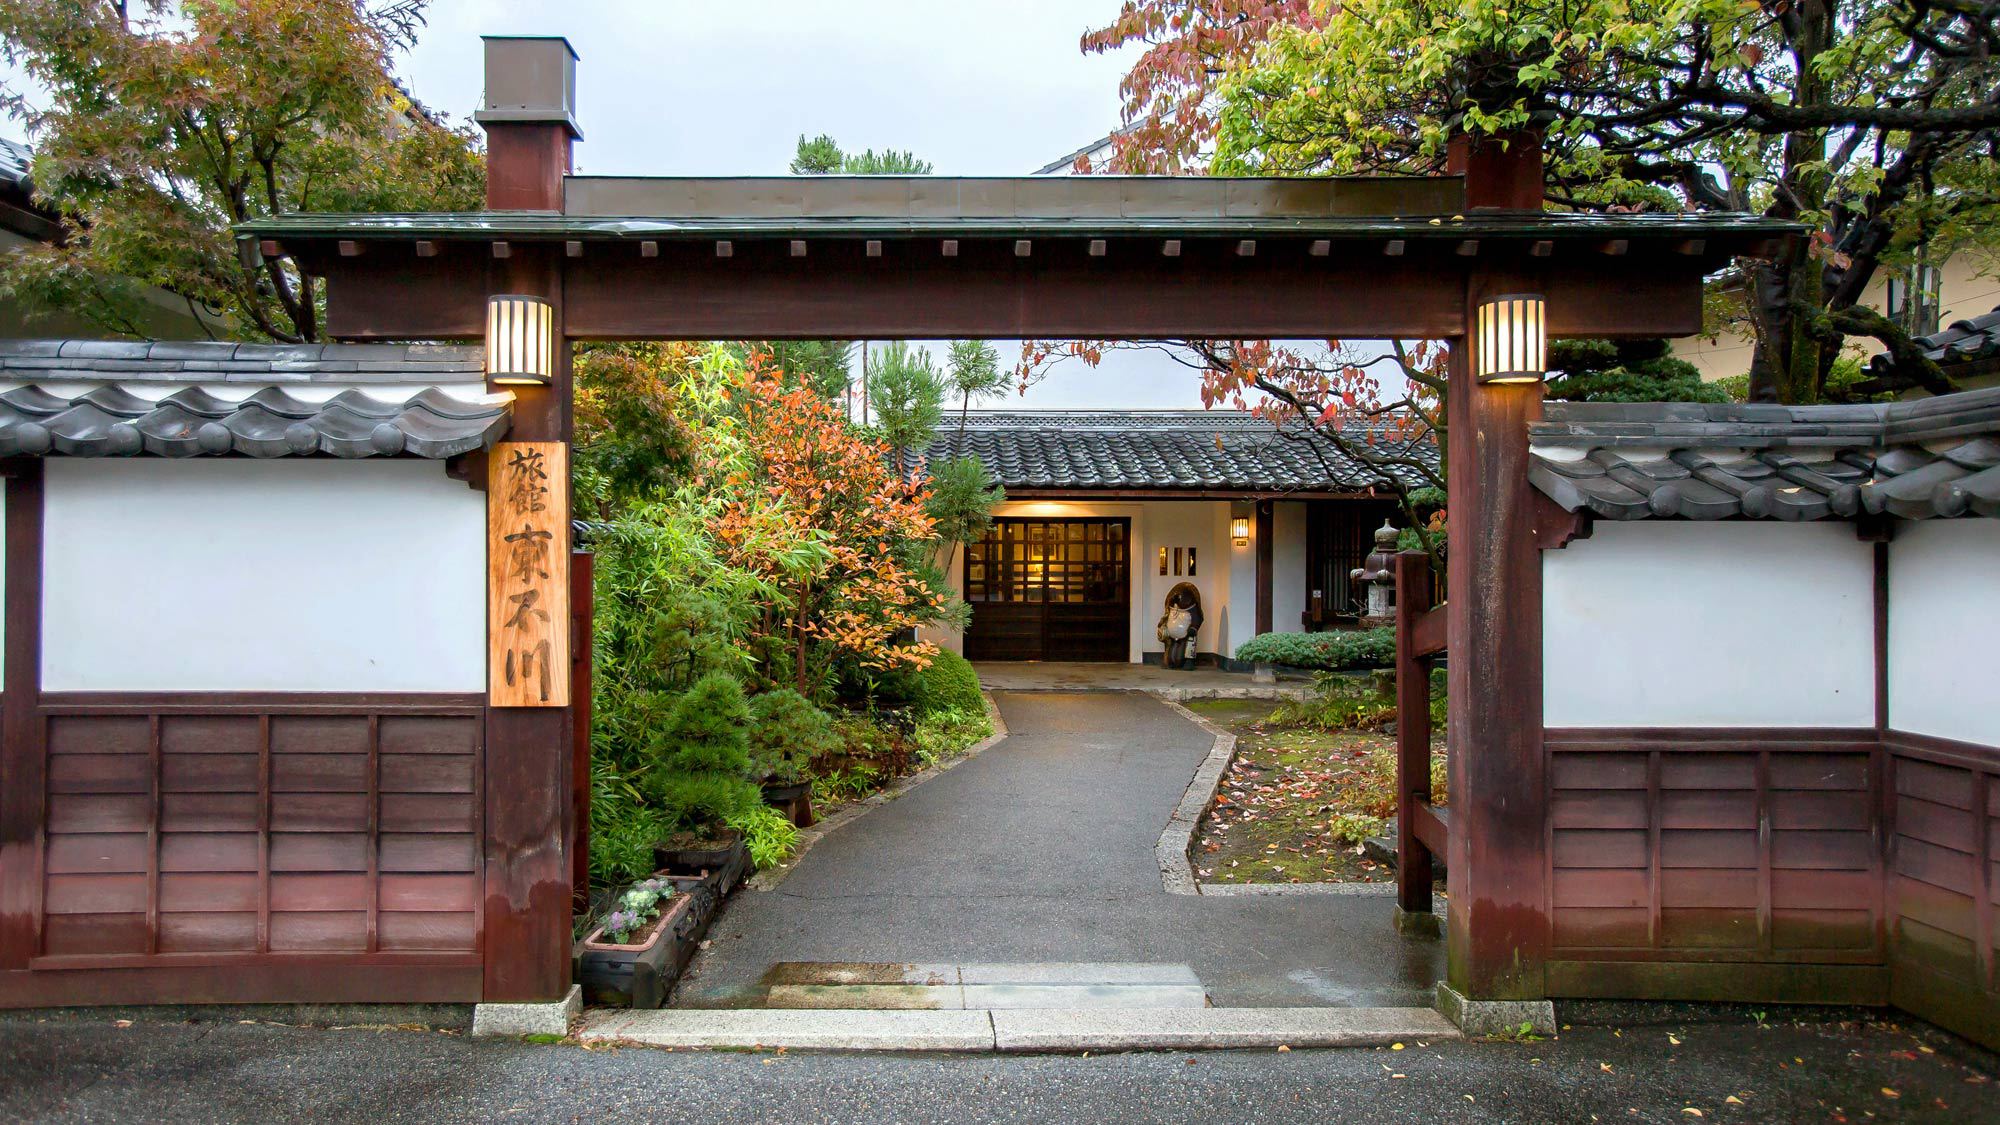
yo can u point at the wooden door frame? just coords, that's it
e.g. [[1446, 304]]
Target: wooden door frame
[[1131, 576]]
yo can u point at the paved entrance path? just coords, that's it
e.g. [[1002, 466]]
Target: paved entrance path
[[1041, 850]]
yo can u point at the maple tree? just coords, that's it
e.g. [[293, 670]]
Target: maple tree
[[1324, 399], [1874, 122], [806, 476], [162, 125]]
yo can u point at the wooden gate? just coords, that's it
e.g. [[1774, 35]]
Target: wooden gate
[[1053, 588], [1422, 830]]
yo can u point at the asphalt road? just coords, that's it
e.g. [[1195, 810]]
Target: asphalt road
[[86, 1068], [1041, 849]]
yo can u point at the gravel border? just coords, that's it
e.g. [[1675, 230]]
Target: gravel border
[[1177, 873], [771, 878]]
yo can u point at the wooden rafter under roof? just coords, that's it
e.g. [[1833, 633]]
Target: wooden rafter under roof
[[1082, 256]]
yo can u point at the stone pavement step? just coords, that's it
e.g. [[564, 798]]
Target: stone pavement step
[[798, 1030], [932, 987], [1214, 1028], [1019, 1030]]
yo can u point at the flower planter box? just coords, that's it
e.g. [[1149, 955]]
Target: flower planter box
[[641, 974], [722, 868], [794, 800]]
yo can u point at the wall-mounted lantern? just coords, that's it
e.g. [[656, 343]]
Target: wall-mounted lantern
[[1239, 530], [1378, 573], [520, 340], [1511, 340]]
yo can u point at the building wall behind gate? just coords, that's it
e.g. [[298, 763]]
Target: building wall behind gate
[[1943, 739], [1774, 765], [1716, 782], [262, 725]]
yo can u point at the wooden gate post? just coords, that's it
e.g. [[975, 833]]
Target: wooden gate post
[[530, 126], [1497, 925]]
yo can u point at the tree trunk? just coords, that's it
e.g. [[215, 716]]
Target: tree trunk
[[1791, 359]]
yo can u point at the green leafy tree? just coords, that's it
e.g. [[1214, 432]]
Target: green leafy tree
[[707, 730], [819, 364], [164, 124], [963, 495], [1872, 121], [973, 368], [823, 156], [1625, 371], [907, 391]]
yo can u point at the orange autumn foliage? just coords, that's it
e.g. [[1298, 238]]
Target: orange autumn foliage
[[809, 477]]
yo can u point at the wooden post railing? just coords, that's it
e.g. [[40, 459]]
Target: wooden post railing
[[1421, 830]]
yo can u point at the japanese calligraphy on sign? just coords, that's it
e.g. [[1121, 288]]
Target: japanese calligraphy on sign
[[527, 574]]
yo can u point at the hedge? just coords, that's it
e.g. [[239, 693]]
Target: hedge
[[1365, 648], [948, 684]]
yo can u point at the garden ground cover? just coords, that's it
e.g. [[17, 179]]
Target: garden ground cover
[[1296, 801]]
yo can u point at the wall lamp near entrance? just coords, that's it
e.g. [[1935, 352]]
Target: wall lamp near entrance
[[1511, 340], [1239, 530], [520, 340]]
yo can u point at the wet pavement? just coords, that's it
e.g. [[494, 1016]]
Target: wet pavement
[[1041, 850], [86, 1068]]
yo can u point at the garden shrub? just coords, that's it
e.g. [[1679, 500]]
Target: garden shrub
[[697, 800], [948, 683], [707, 730], [787, 734], [943, 735], [769, 836], [1359, 649]]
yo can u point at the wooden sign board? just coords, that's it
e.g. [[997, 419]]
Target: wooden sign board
[[527, 574]]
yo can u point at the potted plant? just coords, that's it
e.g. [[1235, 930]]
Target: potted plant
[[787, 734], [637, 950], [703, 751]]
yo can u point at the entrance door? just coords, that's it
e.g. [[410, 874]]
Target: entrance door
[[1050, 589]]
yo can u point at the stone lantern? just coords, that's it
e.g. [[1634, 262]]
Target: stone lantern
[[1378, 573]]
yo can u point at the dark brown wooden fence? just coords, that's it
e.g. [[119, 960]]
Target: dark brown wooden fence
[[1944, 865], [280, 847]]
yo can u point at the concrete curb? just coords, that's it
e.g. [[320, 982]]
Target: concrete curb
[[1017, 1029], [771, 878], [1496, 1017], [553, 1017], [1176, 873]]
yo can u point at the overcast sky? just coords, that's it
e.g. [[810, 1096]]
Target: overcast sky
[[976, 87]]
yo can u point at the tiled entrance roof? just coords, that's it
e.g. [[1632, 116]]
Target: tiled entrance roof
[[1187, 450], [89, 398], [1917, 459], [1971, 343]]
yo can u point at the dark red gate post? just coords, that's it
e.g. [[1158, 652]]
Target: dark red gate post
[[529, 122], [1497, 926]]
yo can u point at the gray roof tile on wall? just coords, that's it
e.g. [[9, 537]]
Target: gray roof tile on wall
[[1917, 459], [1961, 342], [111, 421], [1186, 450], [220, 361]]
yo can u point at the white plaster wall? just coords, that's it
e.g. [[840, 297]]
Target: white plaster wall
[[1751, 624], [241, 575], [1203, 525], [1288, 568], [1944, 613]]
